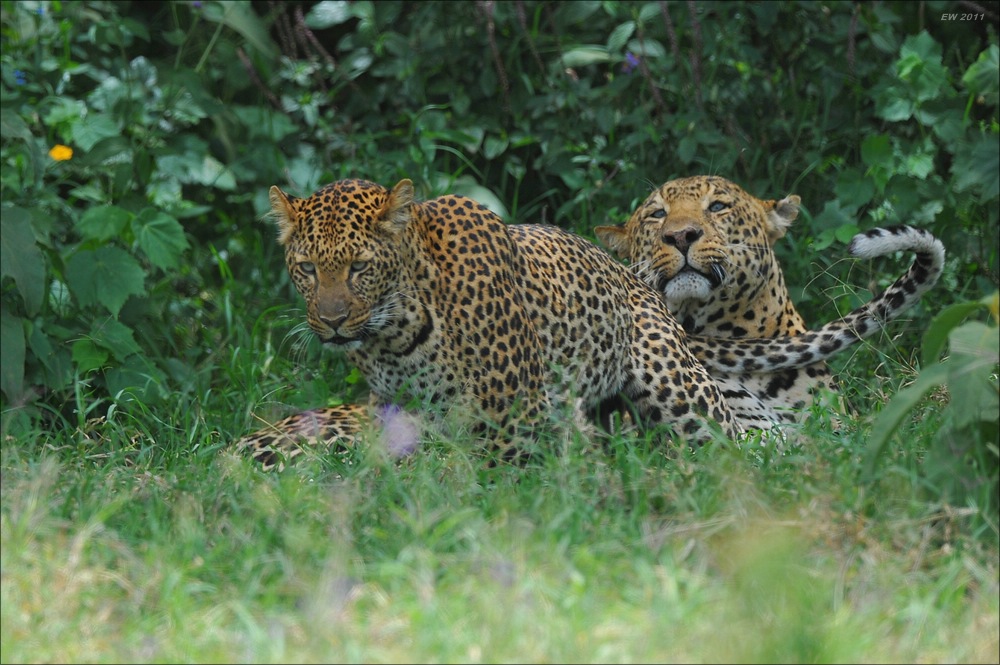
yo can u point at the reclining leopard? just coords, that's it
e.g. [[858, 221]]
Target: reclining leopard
[[706, 246], [442, 303], [492, 297]]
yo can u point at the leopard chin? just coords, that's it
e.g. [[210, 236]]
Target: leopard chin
[[688, 284]]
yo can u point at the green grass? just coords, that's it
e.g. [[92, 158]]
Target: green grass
[[144, 539]]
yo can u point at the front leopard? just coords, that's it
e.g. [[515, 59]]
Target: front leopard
[[441, 305]]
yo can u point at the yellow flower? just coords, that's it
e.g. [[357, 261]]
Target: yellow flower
[[61, 153]]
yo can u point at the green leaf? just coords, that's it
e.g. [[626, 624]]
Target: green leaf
[[106, 275], [56, 361], [114, 336], [103, 222], [892, 415], [647, 48], [240, 16], [876, 150], [975, 349], [620, 35], [93, 128], [87, 356], [161, 237], [983, 76], [20, 257], [328, 13], [585, 55], [494, 146], [937, 332], [894, 107], [139, 377], [11, 355], [978, 168], [65, 112], [112, 150], [854, 189], [846, 233], [264, 123], [12, 126]]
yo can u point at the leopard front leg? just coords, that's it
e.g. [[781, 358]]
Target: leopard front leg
[[670, 386], [332, 427]]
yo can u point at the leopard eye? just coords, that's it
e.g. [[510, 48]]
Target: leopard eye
[[358, 266], [659, 213], [307, 267], [717, 206]]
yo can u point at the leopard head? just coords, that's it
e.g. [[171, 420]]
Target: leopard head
[[702, 239], [342, 249]]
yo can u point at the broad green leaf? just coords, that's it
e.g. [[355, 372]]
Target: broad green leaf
[[139, 377], [12, 126], [20, 257], [894, 108], [106, 276], [854, 189], [161, 237], [11, 355], [87, 356], [65, 111], [114, 336], [240, 16], [262, 122], [94, 128], [975, 349], [494, 146], [197, 168], [978, 168], [570, 14], [620, 36], [56, 361], [328, 13], [103, 222], [846, 233], [215, 173], [876, 150], [937, 332], [920, 162], [983, 76], [892, 415]]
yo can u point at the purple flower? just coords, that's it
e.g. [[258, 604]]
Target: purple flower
[[19, 77], [631, 62], [196, 4], [400, 434]]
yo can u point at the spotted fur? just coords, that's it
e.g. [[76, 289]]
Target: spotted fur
[[441, 304], [706, 246]]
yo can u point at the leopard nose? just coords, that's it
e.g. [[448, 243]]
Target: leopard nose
[[333, 314], [333, 321], [681, 238]]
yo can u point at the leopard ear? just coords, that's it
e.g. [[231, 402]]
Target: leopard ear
[[396, 211], [780, 215], [616, 239], [283, 213]]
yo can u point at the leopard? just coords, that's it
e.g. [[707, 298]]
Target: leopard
[[446, 309], [707, 246]]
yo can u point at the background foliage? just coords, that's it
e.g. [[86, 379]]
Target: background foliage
[[128, 259], [147, 321]]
